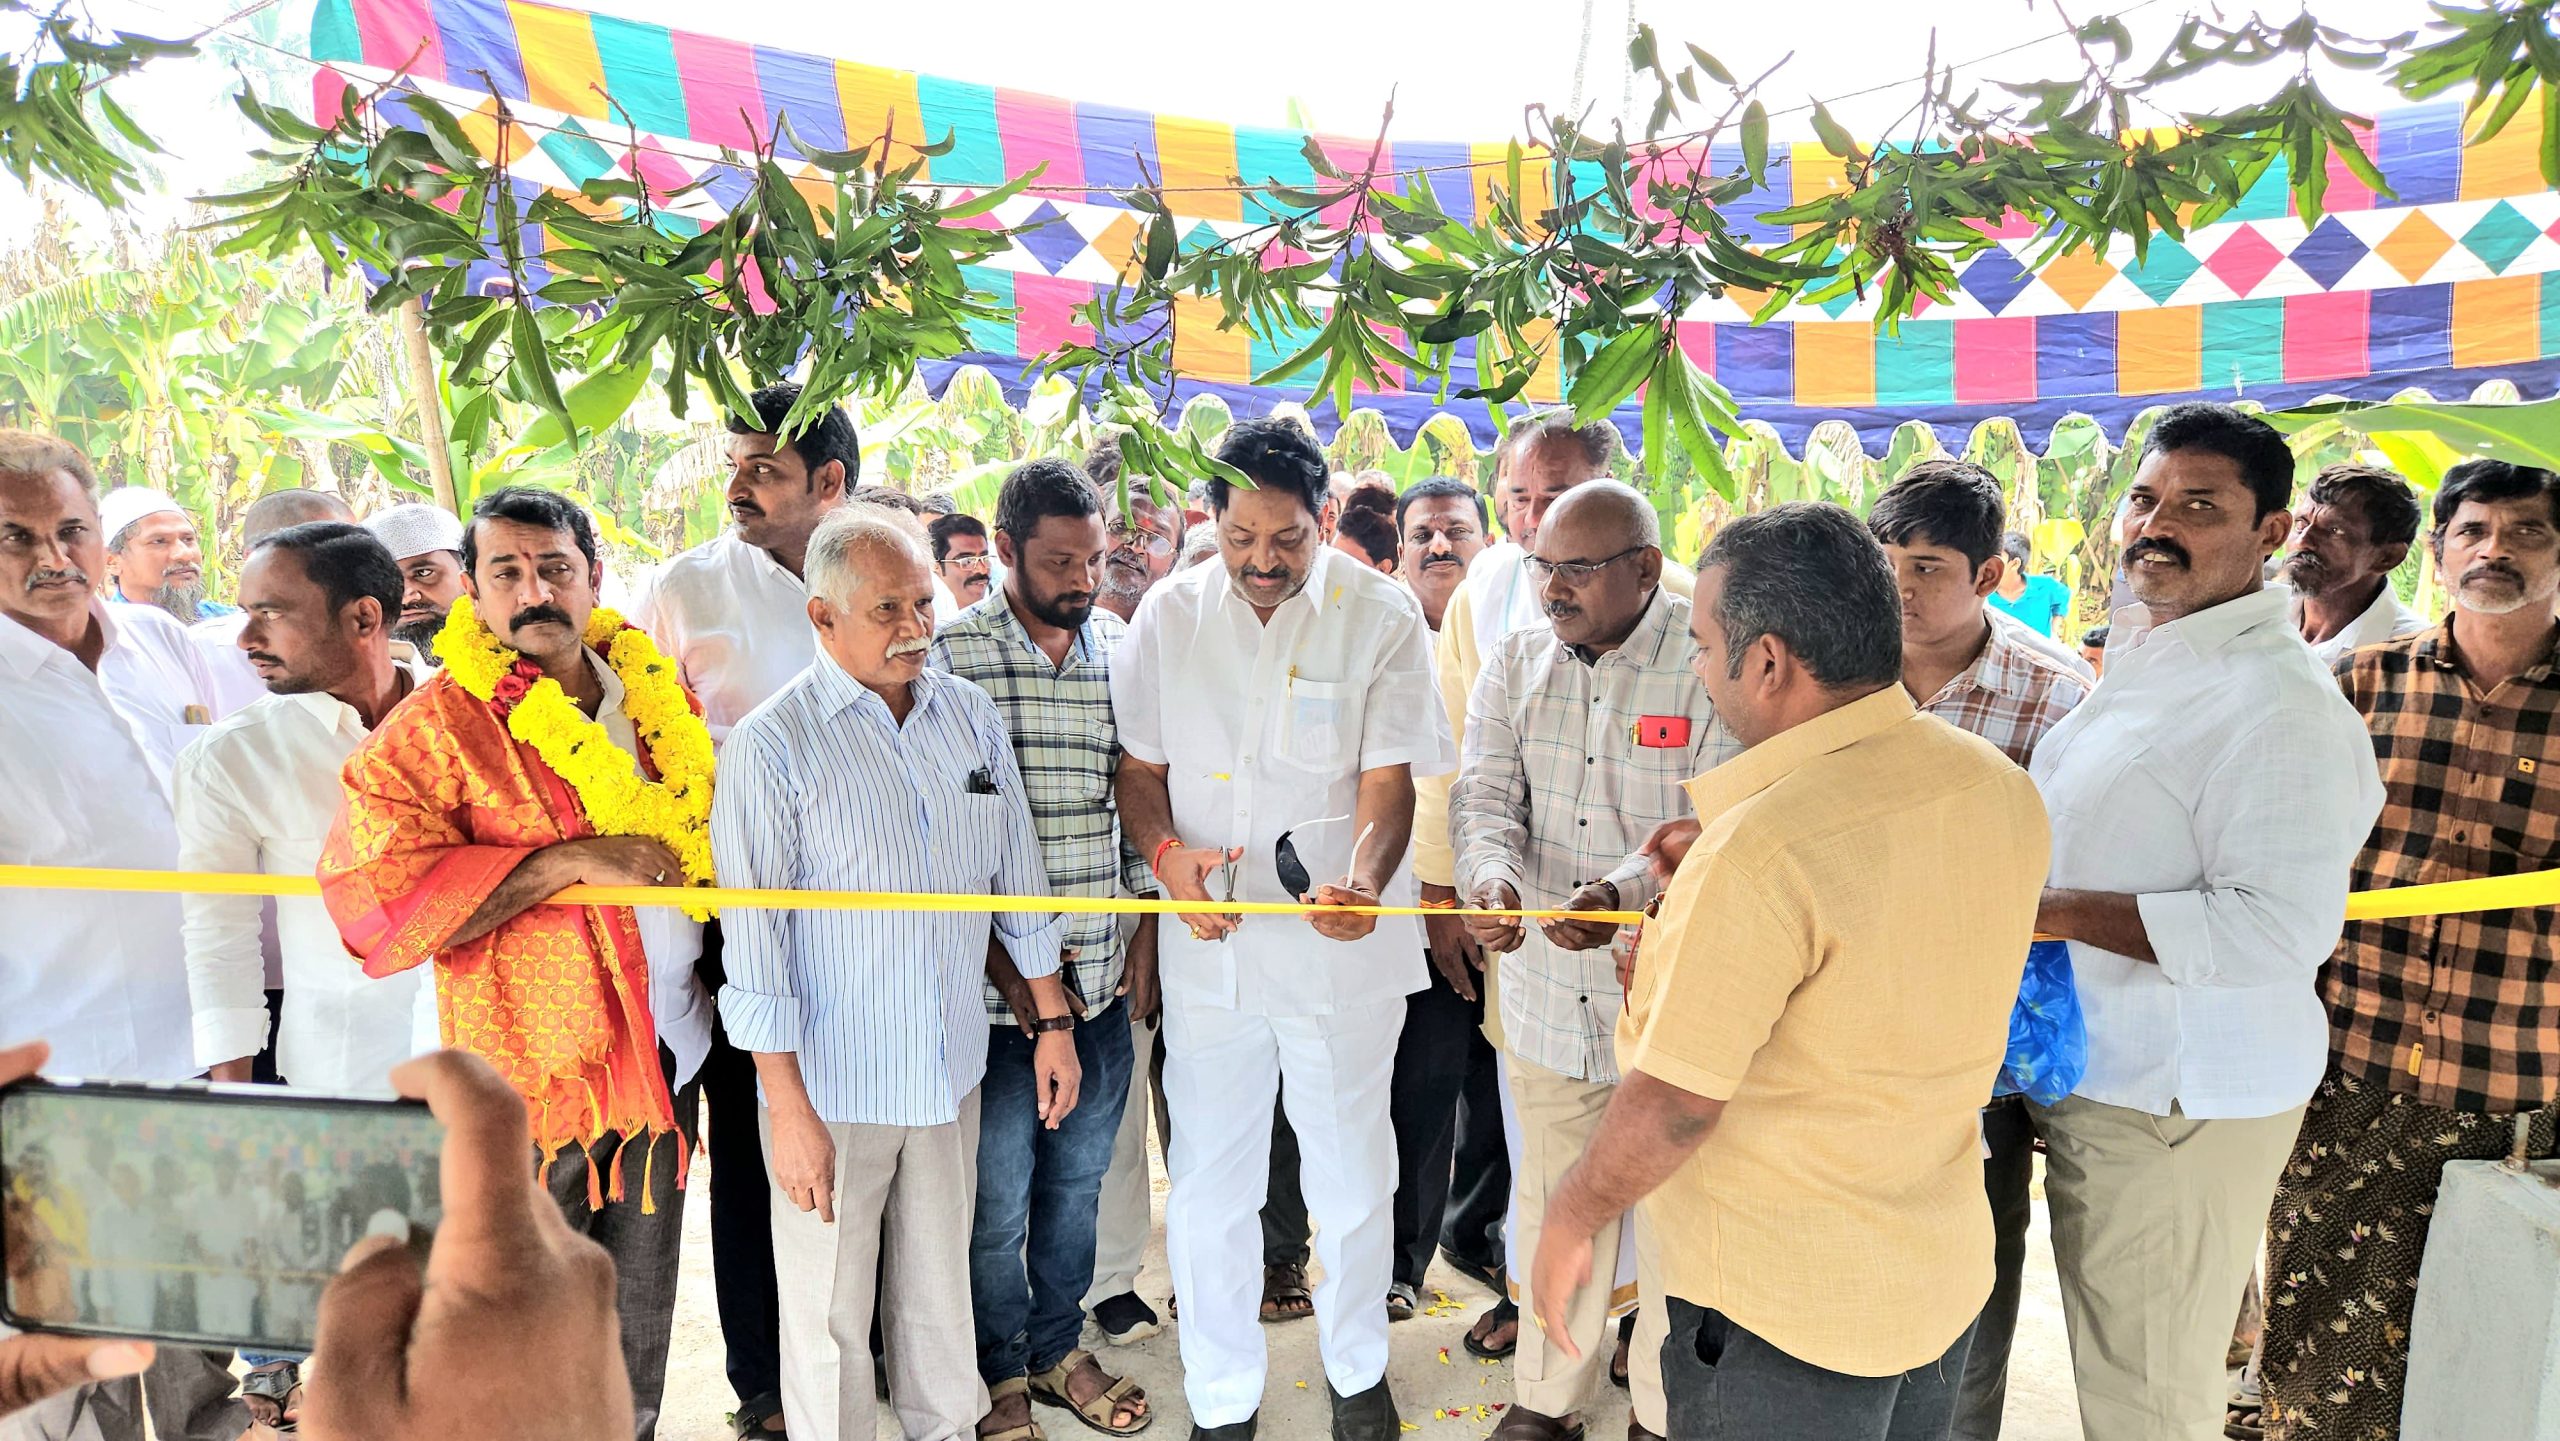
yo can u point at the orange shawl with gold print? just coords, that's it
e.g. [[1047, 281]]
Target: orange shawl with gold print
[[441, 805]]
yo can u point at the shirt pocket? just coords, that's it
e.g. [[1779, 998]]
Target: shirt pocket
[[1319, 725]]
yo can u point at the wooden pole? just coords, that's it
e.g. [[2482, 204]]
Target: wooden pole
[[423, 389]]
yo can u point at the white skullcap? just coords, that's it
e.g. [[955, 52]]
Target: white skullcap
[[415, 529], [121, 508]]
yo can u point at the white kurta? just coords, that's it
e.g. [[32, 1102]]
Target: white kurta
[[258, 793]]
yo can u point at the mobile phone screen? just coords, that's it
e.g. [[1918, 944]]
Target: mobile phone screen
[[200, 1214]]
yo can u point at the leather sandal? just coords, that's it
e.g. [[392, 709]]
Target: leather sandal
[[1050, 1387], [1028, 1430]]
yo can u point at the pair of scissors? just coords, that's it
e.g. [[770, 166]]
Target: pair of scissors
[[1227, 878]]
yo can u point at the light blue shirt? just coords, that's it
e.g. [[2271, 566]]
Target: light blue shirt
[[819, 789]]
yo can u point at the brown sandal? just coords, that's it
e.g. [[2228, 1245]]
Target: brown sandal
[[1285, 1296], [1028, 1430], [1523, 1425], [1050, 1386]]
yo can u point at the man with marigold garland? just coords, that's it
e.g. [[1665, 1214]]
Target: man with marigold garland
[[557, 747]]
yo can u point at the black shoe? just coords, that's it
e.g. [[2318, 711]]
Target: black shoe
[[1232, 1431], [1369, 1416], [1125, 1320]]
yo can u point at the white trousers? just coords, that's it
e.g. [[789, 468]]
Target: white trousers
[[1126, 1214], [903, 1200], [1333, 1075]]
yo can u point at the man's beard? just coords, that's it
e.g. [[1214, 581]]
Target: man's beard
[[2516, 598], [1066, 612], [186, 601], [422, 634]]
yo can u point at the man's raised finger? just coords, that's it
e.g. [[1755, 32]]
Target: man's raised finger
[[489, 1211]]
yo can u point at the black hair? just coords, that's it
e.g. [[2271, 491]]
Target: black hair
[[1953, 503], [1370, 530], [828, 437], [1437, 487], [943, 527], [2493, 480], [534, 506], [1278, 455], [2388, 505], [348, 562], [1808, 573], [2095, 635], [2266, 463], [1037, 489]]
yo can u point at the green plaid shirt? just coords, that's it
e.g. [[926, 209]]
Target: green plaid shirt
[[1069, 747]]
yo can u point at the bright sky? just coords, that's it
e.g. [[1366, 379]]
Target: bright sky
[[1458, 73]]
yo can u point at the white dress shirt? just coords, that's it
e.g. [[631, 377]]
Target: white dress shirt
[[671, 939], [236, 685], [258, 793], [1265, 728], [156, 674], [2384, 620], [1505, 599], [2218, 775], [84, 758], [734, 621]]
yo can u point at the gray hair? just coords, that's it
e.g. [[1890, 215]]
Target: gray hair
[[849, 531], [30, 453], [1597, 441], [1809, 573]]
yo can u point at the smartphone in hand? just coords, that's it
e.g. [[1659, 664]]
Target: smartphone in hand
[[205, 1215]]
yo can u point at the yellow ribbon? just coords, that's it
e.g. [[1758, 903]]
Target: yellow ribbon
[[221, 883], [2487, 893]]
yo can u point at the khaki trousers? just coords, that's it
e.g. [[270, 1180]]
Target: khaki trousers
[[904, 1195], [1558, 1115], [2156, 1223]]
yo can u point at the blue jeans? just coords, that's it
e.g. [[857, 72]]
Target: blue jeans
[[1031, 1245]]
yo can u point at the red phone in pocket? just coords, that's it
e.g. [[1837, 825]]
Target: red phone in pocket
[[1662, 732]]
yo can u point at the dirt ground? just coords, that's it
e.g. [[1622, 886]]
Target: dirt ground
[[1438, 1386]]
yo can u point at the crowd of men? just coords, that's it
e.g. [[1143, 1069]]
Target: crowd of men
[[1738, 1159]]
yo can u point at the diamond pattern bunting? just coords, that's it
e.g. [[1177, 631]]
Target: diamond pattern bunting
[[2499, 237], [1051, 240], [2077, 277], [2329, 252], [2243, 260], [2160, 272], [1995, 278], [2414, 246]]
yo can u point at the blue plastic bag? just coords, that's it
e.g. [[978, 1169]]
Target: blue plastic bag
[[2048, 1041]]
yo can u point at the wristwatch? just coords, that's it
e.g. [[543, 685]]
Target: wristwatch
[[1054, 1023]]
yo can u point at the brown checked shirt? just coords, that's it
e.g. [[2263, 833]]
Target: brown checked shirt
[[2460, 1011]]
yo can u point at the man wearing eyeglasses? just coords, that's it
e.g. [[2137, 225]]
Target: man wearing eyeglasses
[[1580, 736], [960, 556]]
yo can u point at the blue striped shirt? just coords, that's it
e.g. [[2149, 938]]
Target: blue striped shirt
[[821, 789]]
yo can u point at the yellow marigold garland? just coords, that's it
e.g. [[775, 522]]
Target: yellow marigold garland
[[674, 809]]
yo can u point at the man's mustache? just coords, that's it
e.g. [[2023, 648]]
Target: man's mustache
[[2489, 568], [536, 615], [264, 658], [745, 507], [74, 575], [1250, 573], [2154, 545], [909, 647], [1437, 558]]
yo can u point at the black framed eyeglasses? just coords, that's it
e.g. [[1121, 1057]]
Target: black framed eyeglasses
[[1577, 572]]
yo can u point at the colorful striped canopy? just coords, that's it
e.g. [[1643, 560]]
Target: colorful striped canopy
[[2452, 281]]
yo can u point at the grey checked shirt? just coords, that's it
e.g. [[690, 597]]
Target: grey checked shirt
[[1558, 789], [1069, 749]]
